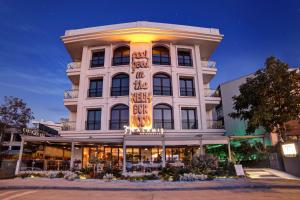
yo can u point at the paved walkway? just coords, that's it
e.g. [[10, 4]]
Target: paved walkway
[[225, 184], [267, 173]]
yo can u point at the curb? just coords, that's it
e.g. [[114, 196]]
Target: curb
[[151, 189]]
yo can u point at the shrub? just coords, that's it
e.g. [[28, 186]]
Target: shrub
[[59, 175]]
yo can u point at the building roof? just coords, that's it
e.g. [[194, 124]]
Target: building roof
[[141, 31]]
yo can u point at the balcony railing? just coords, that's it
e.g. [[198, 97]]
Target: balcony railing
[[165, 124], [71, 94], [73, 66], [68, 126], [215, 124], [93, 125], [95, 92], [118, 124], [189, 124], [209, 64], [211, 93], [186, 91], [120, 91]]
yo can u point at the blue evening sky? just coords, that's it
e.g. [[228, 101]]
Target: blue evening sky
[[33, 59]]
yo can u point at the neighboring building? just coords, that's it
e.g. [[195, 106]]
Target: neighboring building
[[139, 93], [11, 138], [237, 127], [227, 91]]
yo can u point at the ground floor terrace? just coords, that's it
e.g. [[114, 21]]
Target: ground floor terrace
[[127, 153]]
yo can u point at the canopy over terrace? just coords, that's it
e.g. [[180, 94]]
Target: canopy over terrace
[[128, 140]]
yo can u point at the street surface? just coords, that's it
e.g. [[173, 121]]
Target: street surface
[[245, 194]]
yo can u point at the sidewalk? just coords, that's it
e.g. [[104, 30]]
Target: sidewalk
[[225, 184]]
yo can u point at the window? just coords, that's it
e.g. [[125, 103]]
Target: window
[[160, 55], [120, 85], [119, 117], [93, 119], [187, 87], [189, 118], [17, 137], [97, 59], [5, 137], [163, 116], [95, 89], [162, 85], [121, 56], [184, 58]]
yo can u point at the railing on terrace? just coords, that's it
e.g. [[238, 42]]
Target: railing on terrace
[[71, 94], [215, 124], [73, 66], [165, 124], [189, 124], [211, 93], [118, 124], [209, 64], [68, 126]]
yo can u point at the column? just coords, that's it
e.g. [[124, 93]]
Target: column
[[229, 151], [201, 146], [200, 87], [72, 156], [124, 157], [163, 152], [20, 157]]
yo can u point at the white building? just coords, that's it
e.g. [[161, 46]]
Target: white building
[[152, 78]]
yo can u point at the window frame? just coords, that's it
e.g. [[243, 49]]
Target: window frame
[[125, 59], [161, 62], [186, 91], [121, 91], [188, 51], [162, 92], [163, 121], [93, 122], [100, 90], [188, 120], [98, 64], [120, 122]]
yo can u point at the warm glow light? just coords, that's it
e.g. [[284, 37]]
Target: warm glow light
[[289, 150], [140, 38]]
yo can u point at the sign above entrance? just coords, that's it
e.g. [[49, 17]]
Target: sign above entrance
[[143, 131]]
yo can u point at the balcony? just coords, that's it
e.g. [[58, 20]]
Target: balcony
[[215, 124], [69, 126], [118, 124], [92, 125], [71, 99], [189, 124], [209, 70], [212, 98], [73, 72], [163, 123]]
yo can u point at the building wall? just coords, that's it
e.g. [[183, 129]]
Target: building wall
[[106, 102], [228, 90]]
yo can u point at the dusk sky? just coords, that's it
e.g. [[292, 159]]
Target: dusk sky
[[33, 59]]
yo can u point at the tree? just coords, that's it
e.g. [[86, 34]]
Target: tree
[[270, 98], [14, 113]]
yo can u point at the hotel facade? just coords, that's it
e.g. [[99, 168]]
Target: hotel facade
[[140, 95]]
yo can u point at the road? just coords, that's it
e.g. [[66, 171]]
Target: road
[[245, 194]]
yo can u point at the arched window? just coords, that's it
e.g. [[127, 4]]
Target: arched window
[[120, 85], [119, 117], [162, 85], [163, 116], [121, 56], [160, 55]]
